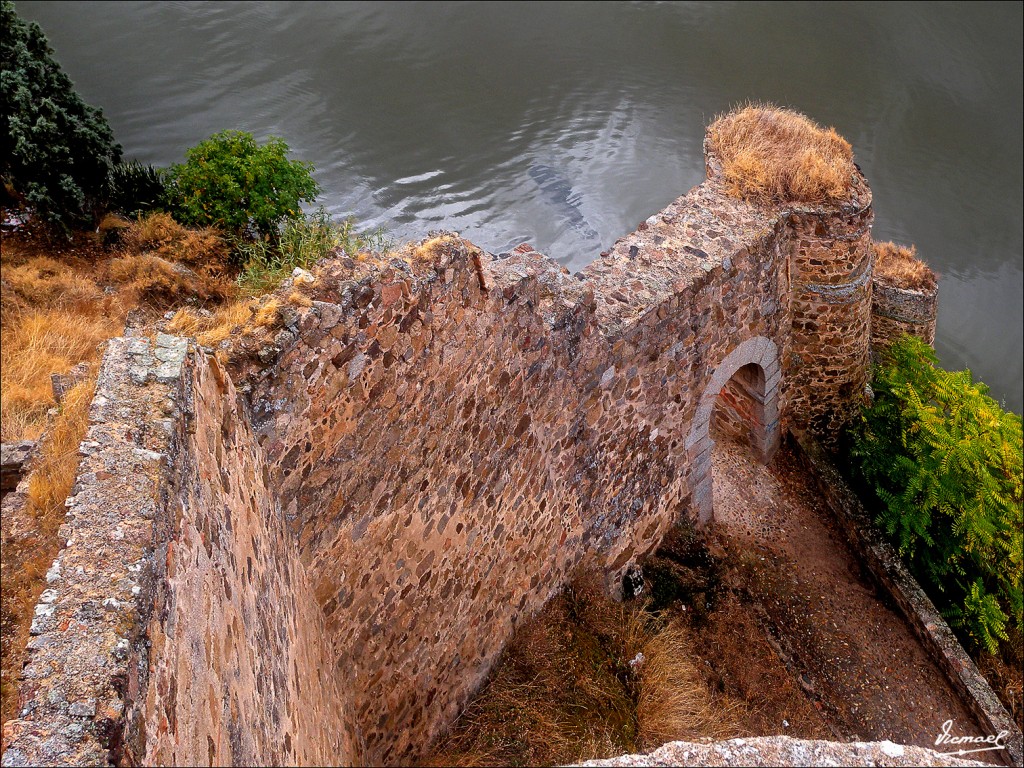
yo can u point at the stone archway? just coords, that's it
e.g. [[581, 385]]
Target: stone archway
[[757, 362]]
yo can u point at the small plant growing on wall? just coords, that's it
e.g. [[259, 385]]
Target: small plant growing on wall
[[232, 182], [945, 461]]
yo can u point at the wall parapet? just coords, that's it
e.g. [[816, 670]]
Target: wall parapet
[[86, 641]]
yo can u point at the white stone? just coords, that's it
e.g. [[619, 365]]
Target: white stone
[[892, 750]]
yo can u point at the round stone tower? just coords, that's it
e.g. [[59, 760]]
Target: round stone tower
[[826, 366], [831, 261]]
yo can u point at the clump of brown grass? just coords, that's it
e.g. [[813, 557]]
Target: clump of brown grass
[[160, 283], [26, 559], [673, 703], [299, 299], [774, 155], [45, 282], [203, 249], [269, 315], [899, 265], [213, 328], [245, 318], [36, 344], [587, 678]]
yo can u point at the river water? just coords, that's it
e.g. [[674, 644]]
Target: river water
[[566, 124]]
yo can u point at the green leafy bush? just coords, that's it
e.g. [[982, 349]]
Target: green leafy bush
[[136, 188], [230, 181], [302, 242], [57, 150], [945, 461]]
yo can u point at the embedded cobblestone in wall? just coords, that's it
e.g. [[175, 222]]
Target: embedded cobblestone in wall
[[426, 453]]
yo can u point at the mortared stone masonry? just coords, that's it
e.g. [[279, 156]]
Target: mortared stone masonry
[[317, 557]]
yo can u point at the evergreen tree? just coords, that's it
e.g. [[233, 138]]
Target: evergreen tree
[[57, 150]]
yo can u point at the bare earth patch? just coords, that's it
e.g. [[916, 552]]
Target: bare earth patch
[[850, 651]]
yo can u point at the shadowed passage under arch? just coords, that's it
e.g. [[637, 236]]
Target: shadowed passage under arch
[[748, 379]]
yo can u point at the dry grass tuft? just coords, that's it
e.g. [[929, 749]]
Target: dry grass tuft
[[204, 250], [153, 280], [899, 266], [35, 345], [565, 689], [212, 328], [674, 704], [270, 315], [27, 557], [42, 281], [299, 299], [773, 155]]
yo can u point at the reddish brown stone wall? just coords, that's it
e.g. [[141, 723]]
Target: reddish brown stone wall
[[831, 265], [450, 441], [896, 310], [434, 445], [241, 672], [178, 626]]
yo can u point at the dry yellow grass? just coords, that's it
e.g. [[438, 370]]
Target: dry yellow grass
[[27, 557], [155, 281], [57, 308], [587, 678], [43, 281], [32, 347], [773, 155], [269, 315], [674, 704], [245, 317], [158, 234], [299, 299], [899, 265]]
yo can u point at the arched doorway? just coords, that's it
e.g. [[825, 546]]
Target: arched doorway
[[748, 380]]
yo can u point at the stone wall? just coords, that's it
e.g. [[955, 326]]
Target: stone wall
[[240, 670], [423, 457], [896, 310], [178, 626], [452, 434]]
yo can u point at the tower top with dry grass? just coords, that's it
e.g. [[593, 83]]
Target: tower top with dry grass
[[769, 155]]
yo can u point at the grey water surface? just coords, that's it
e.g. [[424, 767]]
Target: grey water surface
[[566, 124]]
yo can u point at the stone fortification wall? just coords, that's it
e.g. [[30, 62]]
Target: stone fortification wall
[[177, 626], [241, 672], [429, 450], [896, 310], [451, 435], [831, 267]]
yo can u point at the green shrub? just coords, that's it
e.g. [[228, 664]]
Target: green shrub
[[57, 150], [302, 242], [230, 181], [945, 461], [136, 189]]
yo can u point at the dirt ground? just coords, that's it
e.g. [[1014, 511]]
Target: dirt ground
[[856, 660]]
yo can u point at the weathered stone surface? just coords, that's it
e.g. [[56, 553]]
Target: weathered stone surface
[[896, 310], [326, 571], [13, 457], [784, 751]]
